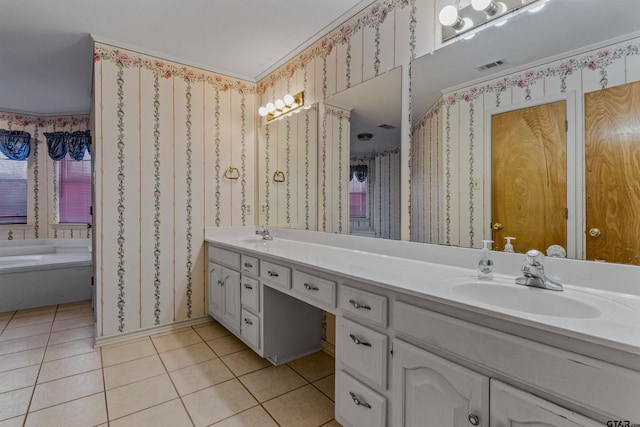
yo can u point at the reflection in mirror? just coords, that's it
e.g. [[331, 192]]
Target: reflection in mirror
[[458, 92], [374, 107], [288, 151]]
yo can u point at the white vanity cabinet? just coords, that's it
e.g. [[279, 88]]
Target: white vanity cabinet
[[252, 297], [407, 358], [431, 391], [224, 296], [513, 407]]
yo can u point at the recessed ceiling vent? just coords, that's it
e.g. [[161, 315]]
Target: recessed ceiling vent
[[385, 126], [365, 136], [491, 65]]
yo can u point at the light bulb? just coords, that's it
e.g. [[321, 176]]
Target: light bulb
[[288, 99], [488, 6], [271, 107], [448, 15], [279, 104], [262, 111]]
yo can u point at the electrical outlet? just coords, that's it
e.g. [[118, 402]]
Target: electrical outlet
[[248, 208]]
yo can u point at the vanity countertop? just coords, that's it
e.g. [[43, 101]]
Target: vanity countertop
[[398, 266]]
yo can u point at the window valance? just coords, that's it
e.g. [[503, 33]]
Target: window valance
[[15, 144], [359, 172], [74, 143]]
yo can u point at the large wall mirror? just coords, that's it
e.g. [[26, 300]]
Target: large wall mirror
[[514, 130], [374, 109]]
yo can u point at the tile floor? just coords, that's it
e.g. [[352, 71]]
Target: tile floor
[[50, 375]]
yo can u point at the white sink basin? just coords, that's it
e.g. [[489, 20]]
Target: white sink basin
[[527, 299]]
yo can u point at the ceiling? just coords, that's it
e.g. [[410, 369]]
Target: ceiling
[[46, 49], [372, 103]]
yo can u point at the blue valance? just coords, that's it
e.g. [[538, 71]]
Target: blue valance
[[74, 143], [15, 144], [359, 172], [77, 143]]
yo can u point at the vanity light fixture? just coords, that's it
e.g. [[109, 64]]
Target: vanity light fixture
[[449, 17], [456, 21], [288, 104]]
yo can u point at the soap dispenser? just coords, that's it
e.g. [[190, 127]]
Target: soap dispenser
[[508, 247], [485, 262]]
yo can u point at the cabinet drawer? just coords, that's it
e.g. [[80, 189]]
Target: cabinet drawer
[[250, 294], [225, 257], [364, 304], [250, 329], [357, 404], [315, 288], [276, 274], [364, 351], [249, 265]]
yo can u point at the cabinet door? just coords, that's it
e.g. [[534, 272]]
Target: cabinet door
[[432, 392], [216, 290], [511, 407], [231, 313]]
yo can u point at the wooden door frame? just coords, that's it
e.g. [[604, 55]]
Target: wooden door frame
[[575, 168]]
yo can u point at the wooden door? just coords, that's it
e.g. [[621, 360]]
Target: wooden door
[[511, 407], [612, 177], [433, 392], [529, 177]]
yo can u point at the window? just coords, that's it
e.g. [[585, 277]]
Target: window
[[75, 190], [357, 198], [13, 191]]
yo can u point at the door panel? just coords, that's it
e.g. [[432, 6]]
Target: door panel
[[511, 407], [612, 177], [529, 177], [433, 392], [216, 290]]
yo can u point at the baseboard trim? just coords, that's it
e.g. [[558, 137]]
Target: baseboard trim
[[153, 330], [329, 348]]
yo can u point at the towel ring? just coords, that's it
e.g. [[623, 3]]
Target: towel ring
[[278, 176], [232, 173]]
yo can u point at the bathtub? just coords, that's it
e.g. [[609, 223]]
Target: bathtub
[[41, 272]]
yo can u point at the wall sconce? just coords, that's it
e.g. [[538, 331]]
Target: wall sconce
[[455, 20], [288, 104]]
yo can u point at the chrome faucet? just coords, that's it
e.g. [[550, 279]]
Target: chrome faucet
[[533, 271], [264, 232]]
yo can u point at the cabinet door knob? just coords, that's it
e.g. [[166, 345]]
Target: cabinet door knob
[[358, 401], [358, 341], [220, 282], [311, 287], [474, 420], [247, 321], [356, 304]]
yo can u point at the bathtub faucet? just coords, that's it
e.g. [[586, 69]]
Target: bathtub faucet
[[264, 232]]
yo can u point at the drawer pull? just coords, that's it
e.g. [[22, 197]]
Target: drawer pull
[[248, 286], [358, 341], [356, 304], [357, 400], [220, 282], [474, 420], [311, 287], [272, 274], [248, 265], [247, 321]]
